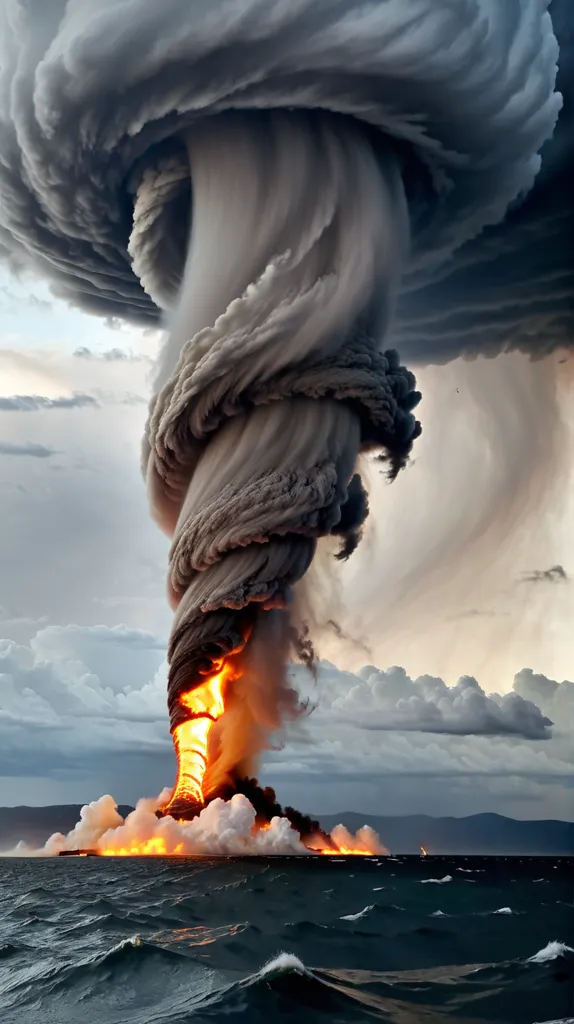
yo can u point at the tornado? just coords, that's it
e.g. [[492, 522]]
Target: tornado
[[288, 188]]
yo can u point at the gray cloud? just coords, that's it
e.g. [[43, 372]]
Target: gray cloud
[[510, 286], [380, 700], [556, 574], [34, 403], [27, 448], [110, 355], [120, 398], [554, 698], [79, 400]]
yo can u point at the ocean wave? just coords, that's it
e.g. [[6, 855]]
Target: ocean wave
[[436, 881], [503, 910], [9, 949], [278, 965], [561, 1020], [361, 913], [551, 951], [286, 987]]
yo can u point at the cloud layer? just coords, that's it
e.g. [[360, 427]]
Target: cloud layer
[[34, 403], [82, 706], [384, 700]]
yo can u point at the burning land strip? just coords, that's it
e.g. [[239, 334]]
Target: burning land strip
[[225, 828]]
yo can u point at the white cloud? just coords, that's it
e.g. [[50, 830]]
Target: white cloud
[[390, 700], [555, 699]]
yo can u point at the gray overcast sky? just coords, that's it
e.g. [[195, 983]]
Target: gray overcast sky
[[84, 619]]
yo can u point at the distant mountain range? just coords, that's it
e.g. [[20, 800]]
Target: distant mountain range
[[479, 834]]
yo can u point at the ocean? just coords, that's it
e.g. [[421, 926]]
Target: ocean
[[260, 940]]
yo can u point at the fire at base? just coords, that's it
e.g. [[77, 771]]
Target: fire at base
[[204, 706], [242, 819], [223, 828]]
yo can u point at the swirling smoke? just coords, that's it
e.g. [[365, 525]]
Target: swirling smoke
[[275, 181]]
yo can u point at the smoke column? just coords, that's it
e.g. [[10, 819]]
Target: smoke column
[[270, 180]]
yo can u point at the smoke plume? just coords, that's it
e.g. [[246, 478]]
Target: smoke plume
[[224, 828], [285, 185]]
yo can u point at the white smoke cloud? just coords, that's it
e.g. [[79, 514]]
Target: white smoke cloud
[[224, 828]]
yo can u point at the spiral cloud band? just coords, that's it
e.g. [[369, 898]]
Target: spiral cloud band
[[283, 183]]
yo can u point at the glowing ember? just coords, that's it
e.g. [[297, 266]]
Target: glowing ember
[[424, 852], [206, 705]]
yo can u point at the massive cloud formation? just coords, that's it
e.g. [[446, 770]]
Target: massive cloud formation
[[98, 693], [384, 700], [97, 95], [271, 178]]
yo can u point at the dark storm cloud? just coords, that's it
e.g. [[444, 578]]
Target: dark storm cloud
[[556, 574], [90, 88]]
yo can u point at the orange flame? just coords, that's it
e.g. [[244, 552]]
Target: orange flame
[[423, 851], [345, 851], [206, 705], [156, 846]]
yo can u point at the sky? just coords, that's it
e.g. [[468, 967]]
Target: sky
[[441, 693]]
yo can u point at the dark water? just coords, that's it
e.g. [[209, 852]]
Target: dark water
[[153, 941]]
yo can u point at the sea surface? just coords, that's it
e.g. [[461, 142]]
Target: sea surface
[[167, 941]]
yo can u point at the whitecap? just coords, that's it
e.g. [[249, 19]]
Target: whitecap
[[436, 881], [562, 1020], [362, 913], [552, 951], [281, 963]]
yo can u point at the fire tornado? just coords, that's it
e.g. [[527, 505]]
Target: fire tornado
[[265, 180]]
